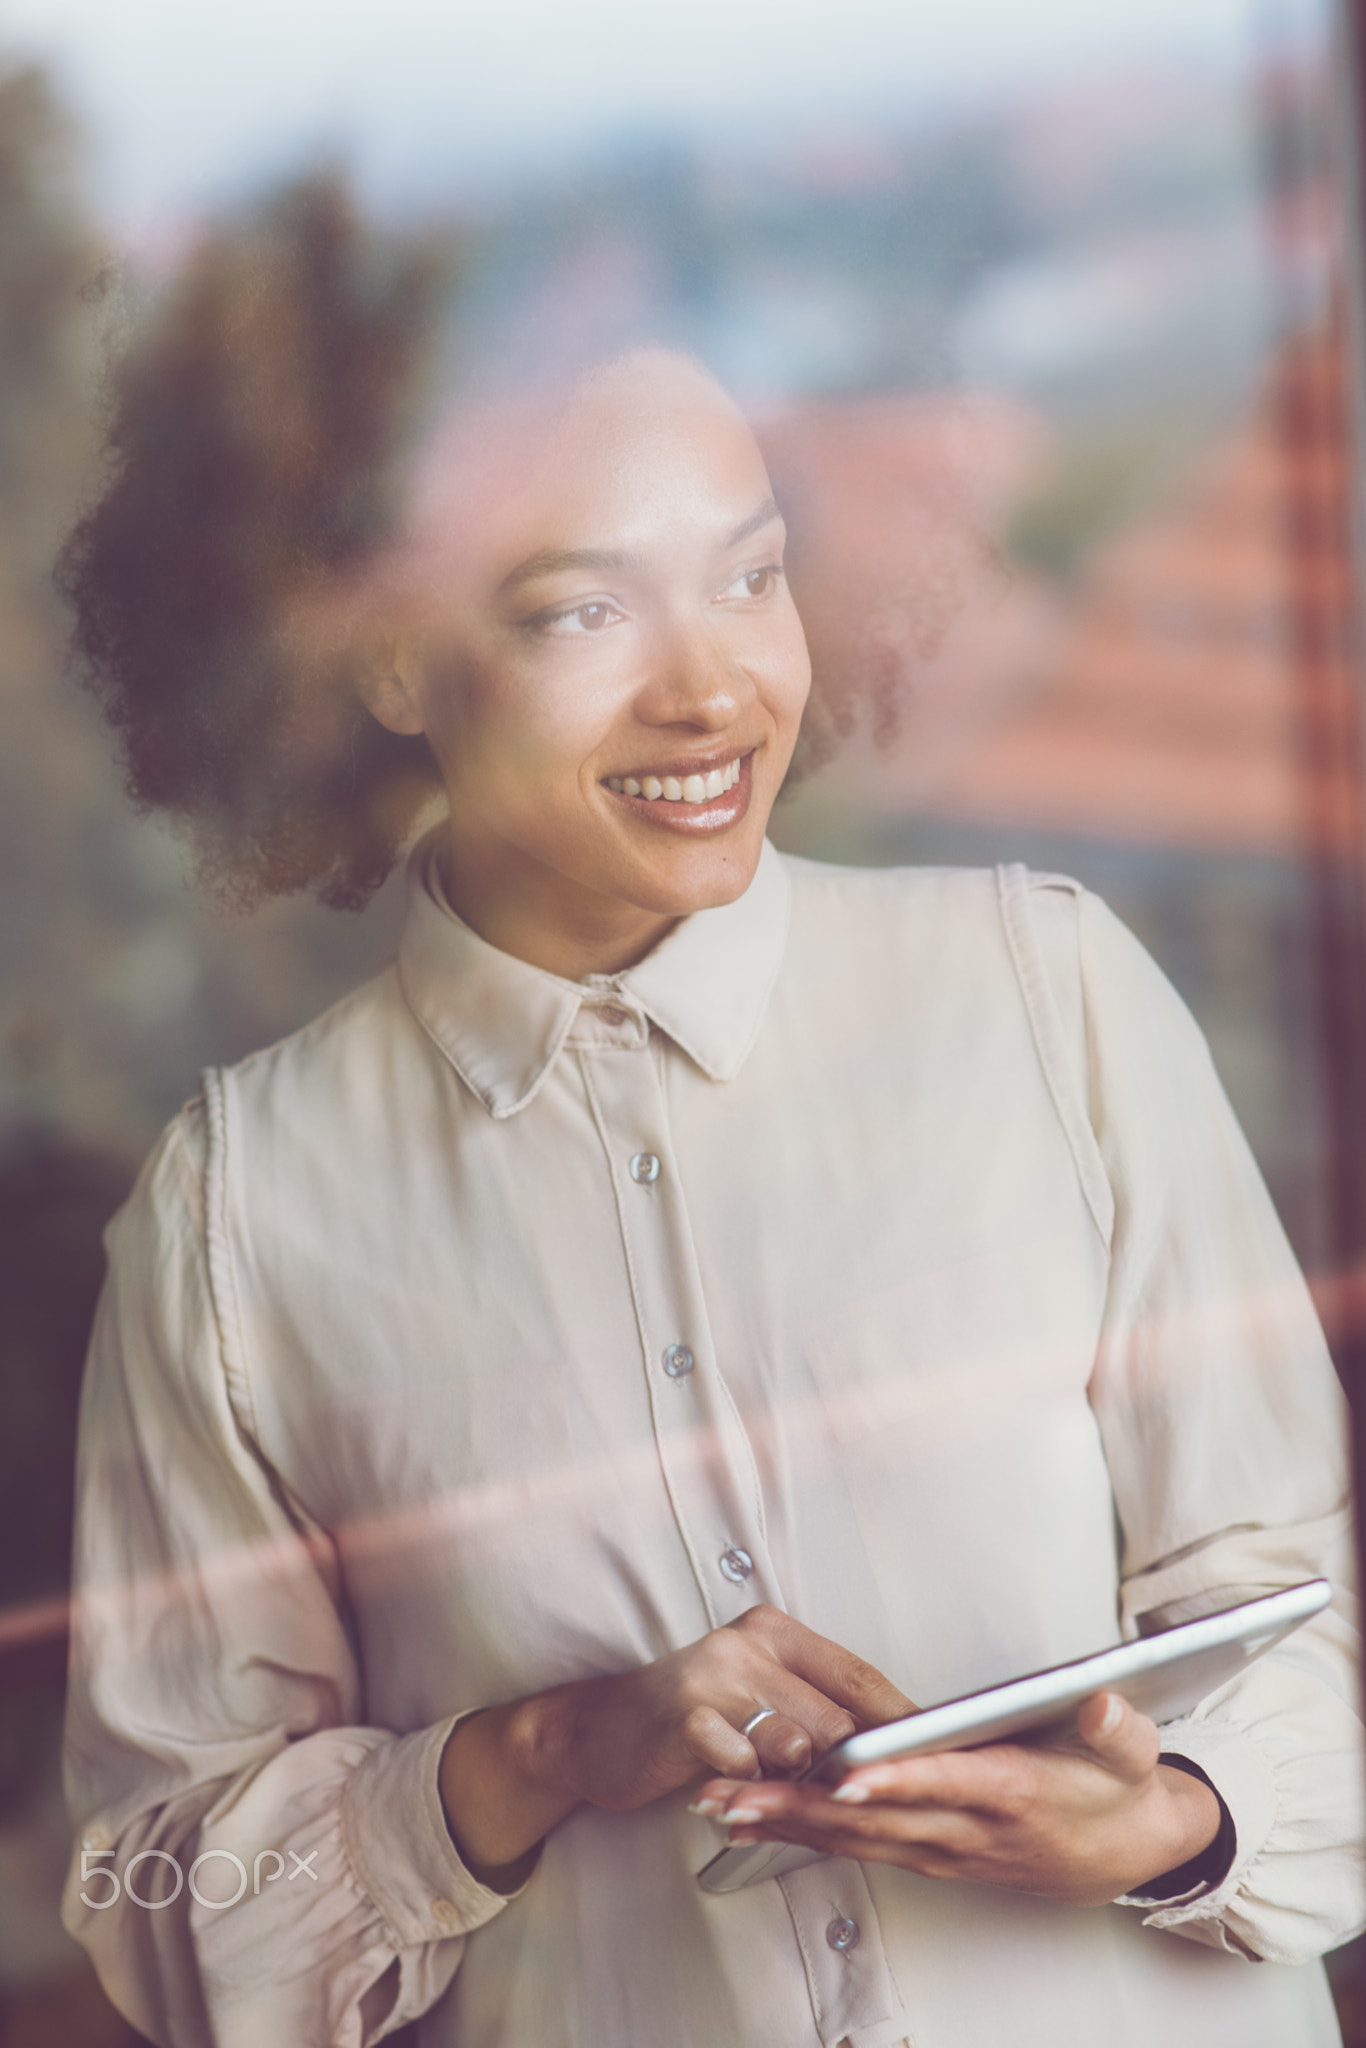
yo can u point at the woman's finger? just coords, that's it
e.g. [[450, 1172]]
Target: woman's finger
[[823, 1721], [709, 1736], [1118, 1736], [927, 1858], [783, 1746], [809, 1812], [832, 1671], [917, 1837], [745, 1681]]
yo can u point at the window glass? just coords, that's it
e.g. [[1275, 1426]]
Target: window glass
[[1044, 319]]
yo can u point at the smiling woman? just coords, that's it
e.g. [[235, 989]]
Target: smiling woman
[[616, 615], [691, 1305]]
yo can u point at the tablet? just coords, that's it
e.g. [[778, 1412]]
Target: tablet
[[1163, 1675]]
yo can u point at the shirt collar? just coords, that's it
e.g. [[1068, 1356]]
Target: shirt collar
[[502, 1022]]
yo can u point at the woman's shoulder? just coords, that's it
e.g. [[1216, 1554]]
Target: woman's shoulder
[[273, 1092], [960, 936], [908, 901], [319, 1085]]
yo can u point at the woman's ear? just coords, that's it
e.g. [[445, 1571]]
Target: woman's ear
[[387, 687]]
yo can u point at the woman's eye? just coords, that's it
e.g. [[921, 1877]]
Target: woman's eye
[[587, 618], [755, 582]]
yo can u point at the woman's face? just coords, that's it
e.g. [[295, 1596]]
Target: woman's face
[[609, 668]]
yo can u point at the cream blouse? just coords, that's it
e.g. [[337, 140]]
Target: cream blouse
[[883, 1247]]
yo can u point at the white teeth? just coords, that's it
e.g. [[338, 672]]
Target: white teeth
[[688, 789]]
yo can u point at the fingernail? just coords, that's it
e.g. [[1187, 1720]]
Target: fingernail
[[742, 1815], [708, 1808], [1113, 1715], [740, 1838], [851, 1795]]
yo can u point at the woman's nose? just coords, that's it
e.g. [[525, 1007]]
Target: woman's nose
[[692, 679]]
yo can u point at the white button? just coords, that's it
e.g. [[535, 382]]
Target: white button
[[444, 1913], [737, 1564], [645, 1168], [842, 1935], [678, 1361]]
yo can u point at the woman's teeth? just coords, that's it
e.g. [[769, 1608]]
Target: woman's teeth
[[689, 789]]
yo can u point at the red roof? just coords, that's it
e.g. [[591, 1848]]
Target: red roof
[[1194, 685]]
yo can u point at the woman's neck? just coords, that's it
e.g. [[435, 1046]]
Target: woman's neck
[[541, 916]]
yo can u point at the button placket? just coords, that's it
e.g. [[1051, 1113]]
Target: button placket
[[854, 1997], [707, 1461]]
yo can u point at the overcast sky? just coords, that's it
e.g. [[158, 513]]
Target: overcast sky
[[187, 101]]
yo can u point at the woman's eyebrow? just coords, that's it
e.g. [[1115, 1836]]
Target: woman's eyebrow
[[761, 517], [551, 561], [554, 561]]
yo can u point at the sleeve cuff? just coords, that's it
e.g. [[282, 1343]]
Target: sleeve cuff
[[394, 1828], [1242, 1779], [1208, 1869]]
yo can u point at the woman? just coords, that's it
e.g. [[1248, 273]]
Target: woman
[[693, 1304]]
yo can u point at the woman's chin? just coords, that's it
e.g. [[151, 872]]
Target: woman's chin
[[694, 874]]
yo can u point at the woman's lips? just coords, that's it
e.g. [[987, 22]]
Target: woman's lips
[[692, 819]]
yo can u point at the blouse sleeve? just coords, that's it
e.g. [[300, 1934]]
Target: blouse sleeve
[[1226, 1437], [253, 1863]]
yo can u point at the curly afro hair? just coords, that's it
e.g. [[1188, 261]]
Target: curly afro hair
[[254, 438], [258, 432]]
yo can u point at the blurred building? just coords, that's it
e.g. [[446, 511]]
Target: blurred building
[[1204, 648]]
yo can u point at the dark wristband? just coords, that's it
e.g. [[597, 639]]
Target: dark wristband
[[1211, 1866]]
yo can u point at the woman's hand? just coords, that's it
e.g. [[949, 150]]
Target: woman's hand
[[512, 1773], [1083, 1823]]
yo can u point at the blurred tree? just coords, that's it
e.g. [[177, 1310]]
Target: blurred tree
[[46, 265], [47, 282]]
